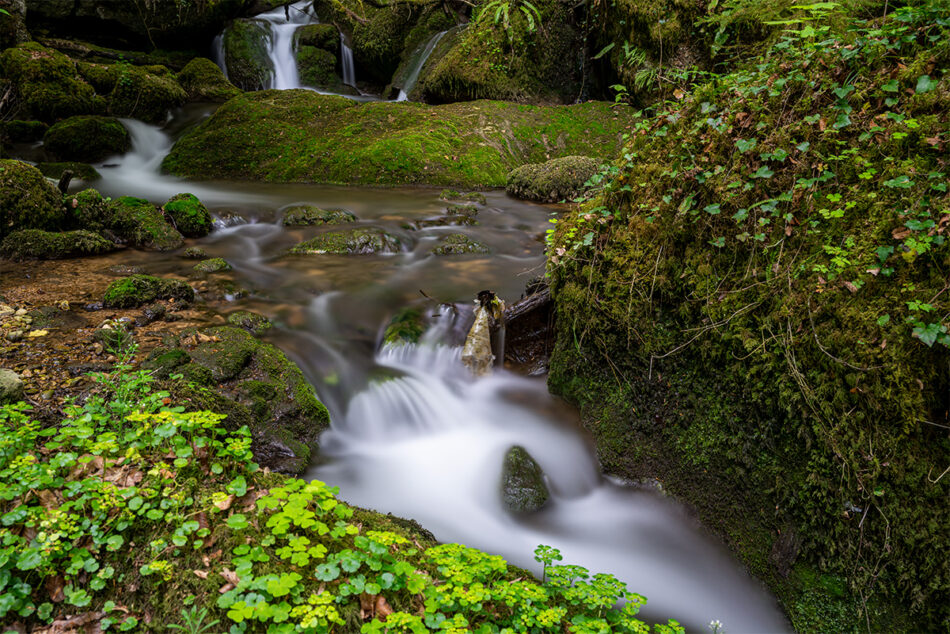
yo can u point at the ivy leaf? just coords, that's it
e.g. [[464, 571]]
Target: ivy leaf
[[237, 486], [237, 522], [925, 84], [712, 210], [891, 86], [745, 145], [901, 182], [763, 172]]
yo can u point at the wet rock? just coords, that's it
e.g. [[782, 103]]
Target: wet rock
[[406, 326], [151, 313], [11, 386], [14, 335], [93, 307], [35, 244], [85, 138], [89, 210], [255, 385], [27, 200], [191, 217], [455, 215], [48, 84], [220, 289], [251, 322], [141, 224], [323, 36], [451, 194], [82, 171], [136, 290], [203, 81], [195, 253], [24, 131], [459, 244], [84, 368], [529, 336], [245, 53], [317, 68], [555, 180], [304, 215], [126, 269], [113, 335], [522, 482], [140, 92], [363, 241], [212, 265]]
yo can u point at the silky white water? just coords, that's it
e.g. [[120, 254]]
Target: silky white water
[[281, 51], [418, 63]]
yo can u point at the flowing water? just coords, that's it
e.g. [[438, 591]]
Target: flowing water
[[284, 22], [346, 62], [412, 432], [417, 62]]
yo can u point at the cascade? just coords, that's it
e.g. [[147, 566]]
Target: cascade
[[419, 59]]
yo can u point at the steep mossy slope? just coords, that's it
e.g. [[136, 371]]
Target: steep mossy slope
[[754, 308], [301, 136]]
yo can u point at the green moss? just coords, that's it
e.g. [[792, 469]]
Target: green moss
[[304, 215], [406, 326], [27, 200], [451, 194], [364, 241], [48, 83], [252, 322], [82, 171], [213, 265], [89, 209], [24, 131], [324, 36], [195, 253], [88, 139], [202, 80], [36, 244], [552, 181], [245, 50], [459, 244], [297, 135], [137, 290], [522, 482], [317, 68], [140, 92], [191, 217], [141, 224]]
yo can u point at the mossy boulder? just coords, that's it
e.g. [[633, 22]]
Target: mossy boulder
[[82, 171], [88, 209], [263, 388], [139, 223], [27, 200], [191, 217], [317, 68], [139, 92], [459, 244], [212, 265], [523, 489], [406, 326], [48, 83], [362, 241], [202, 80], [195, 253], [249, 321], [86, 138], [36, 244], [552, 181], [455, 195], [304, 215], [20, 131], [245, 54], [302, 136], [138, 290], [323, 36]]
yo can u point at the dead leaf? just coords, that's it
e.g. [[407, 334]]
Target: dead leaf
[[87, 623], [226, 587], [54, 586], [49, 499], [367, 606], [874, 272], [123, 477], [202, 574], [226, 503], [851, 287], [230, 576], [900, 233], [383, 609]]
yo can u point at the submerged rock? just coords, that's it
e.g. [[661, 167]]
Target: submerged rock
[[195, 253], [522, 482], [302, 215], [255, 384], [190, 216], [86, 138], [406, 326], [363, 241], [203, 80], [137, 290], [451, 194], [251, 322], [11, 386], [27, 200], [459, 244], [36, 244], [212, 265], [552, 181]]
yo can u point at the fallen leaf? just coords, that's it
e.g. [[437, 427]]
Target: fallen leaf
[[38, 333], [900, 233], [85, 623], [202, 574], [54, 586], [226, 587], [383, 609], [851, 287], [367, 606], [226, 503], [230, 576]]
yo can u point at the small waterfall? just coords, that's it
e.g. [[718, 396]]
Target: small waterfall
[[346, 59], [284, 22], [419, 61], [217, 52]]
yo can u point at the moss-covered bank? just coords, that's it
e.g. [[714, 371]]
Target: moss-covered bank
[[300, 136], [754, 309]]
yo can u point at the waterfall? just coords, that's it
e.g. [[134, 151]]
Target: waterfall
[[217, 51], [284, 22], [419, 59], [346, 59]]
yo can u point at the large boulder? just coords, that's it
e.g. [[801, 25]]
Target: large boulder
[[27, 200], [202, 80], [190, 216], [362, 241], [552, 181], [317, 68], [36, 244], [20, 131], [245, 54], [139, 223], [302, 136], [48, 83], [86, 138], [139, 92], [138, 290], [522, 482], [255, 384]]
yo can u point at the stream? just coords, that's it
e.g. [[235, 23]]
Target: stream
[[412, 432]]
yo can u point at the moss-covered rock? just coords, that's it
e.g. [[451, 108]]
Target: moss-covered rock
[[13, 25], [454, 195], [264, 389], [85, 138], [27, 200], [317, 68], [139, 92], [139, 223], [251, 322], [303, 215], [24, 131], [48, 83], [212, 265], [202, 80], [406, 326], [82, 171], [522, 482], [138, 290], [458, 244], [552, 181], [298, 135], [190, 216], [195, 253], [362, 241], [88, 209], [245, 54], [36, 244], [323, 36]]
